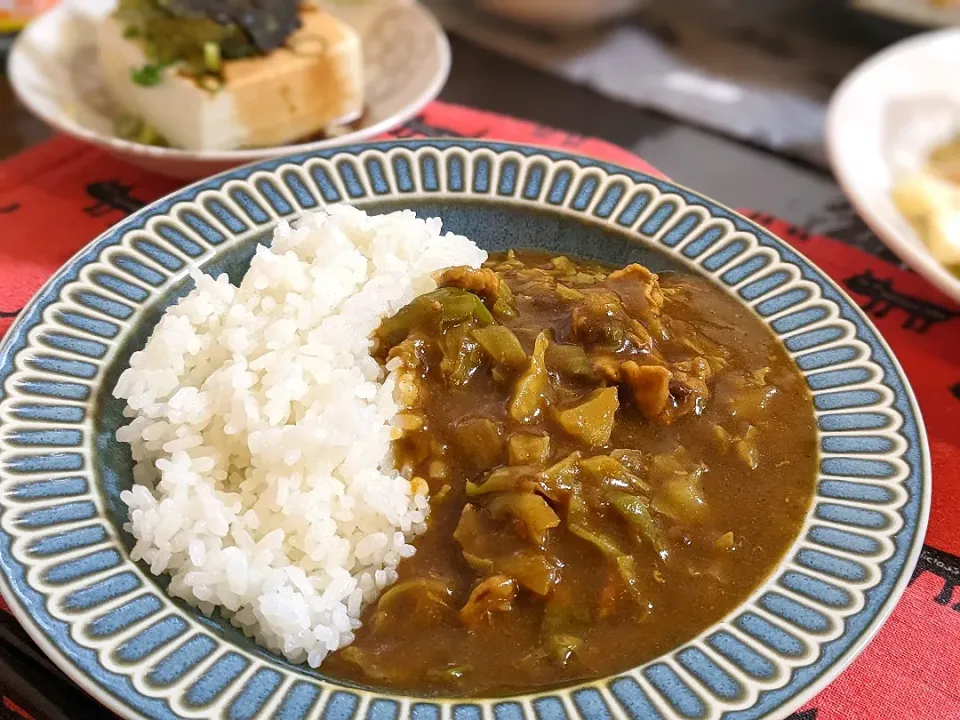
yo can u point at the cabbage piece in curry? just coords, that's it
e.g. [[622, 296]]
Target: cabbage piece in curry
[[615, 461]]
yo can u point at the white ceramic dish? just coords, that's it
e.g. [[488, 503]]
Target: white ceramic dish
[[53, 70], [882, 123]]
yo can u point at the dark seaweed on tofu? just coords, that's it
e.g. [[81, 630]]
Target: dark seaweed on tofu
[[198, 35], [268, 24]]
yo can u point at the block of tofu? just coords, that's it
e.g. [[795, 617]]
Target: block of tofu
[[315, 81]]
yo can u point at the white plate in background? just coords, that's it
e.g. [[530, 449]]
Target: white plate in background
[[883, 122], [53, 70]]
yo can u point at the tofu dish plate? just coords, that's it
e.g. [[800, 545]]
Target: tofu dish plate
[[204, 75], [421, 467]]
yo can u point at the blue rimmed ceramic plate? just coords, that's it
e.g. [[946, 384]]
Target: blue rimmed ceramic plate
[[64, 563]]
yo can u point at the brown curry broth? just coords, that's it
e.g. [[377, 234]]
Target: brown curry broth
[[763, 507]]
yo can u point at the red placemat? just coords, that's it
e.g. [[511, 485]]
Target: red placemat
[[57, 197]]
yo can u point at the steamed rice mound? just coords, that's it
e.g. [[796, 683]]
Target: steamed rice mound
[[261, 430]]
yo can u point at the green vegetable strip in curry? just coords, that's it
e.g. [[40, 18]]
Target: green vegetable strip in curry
[[615, 460]]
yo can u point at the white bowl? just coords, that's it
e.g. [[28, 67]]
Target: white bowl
[[53, 70], [882, 123]]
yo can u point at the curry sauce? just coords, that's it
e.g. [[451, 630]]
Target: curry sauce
[[615, 461]]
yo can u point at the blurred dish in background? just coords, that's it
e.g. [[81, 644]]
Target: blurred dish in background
[[559, 14], [890, 133], [57, 70]]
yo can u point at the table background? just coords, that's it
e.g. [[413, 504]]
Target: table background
[[735, 173]]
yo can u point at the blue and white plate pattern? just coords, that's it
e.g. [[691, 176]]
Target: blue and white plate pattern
[[64, 563]]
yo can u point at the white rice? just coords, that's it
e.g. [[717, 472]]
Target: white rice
[[261, 430]]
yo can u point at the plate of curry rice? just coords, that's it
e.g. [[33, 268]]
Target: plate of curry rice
[[452, 428]]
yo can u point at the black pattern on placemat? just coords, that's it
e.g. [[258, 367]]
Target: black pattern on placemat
[[112, 195], [558, 137], [946, 567], [761, 218], [956, 391], [810, 714], [790, 231], [12, 208], [4, 314], [418, 127], [882, 298], [840, 221]]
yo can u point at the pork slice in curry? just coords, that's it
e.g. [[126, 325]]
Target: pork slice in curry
[[615, 461]]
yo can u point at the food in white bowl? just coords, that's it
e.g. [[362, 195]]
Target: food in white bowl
[[203, 77], [930, 199]]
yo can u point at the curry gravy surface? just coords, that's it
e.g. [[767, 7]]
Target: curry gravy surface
[[597, 499]]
